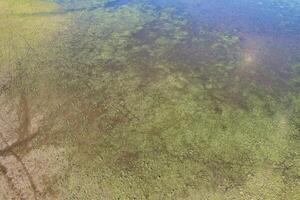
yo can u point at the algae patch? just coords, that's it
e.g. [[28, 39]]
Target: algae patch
[[143, 104]]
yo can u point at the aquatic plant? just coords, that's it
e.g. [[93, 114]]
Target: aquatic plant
[[141, 105]]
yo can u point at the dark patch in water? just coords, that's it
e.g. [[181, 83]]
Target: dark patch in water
[[117, 3]]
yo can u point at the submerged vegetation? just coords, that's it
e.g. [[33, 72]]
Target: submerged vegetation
[[148, 99]]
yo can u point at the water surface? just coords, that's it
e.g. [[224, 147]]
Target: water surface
[[150, 99]]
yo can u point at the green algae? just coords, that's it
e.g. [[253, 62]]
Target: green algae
[[295, 80], [156, 112], [158, 133], [160, 140]]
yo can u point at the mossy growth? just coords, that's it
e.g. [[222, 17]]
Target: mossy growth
[[295, 75], [147, 124], [150, 109], [23, 34]]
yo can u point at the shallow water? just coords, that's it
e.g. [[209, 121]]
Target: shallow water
[[150, 99]]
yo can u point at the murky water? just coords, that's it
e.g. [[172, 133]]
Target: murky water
[[150, 99]]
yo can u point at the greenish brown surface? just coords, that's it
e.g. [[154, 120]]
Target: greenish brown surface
[[151, 99]]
